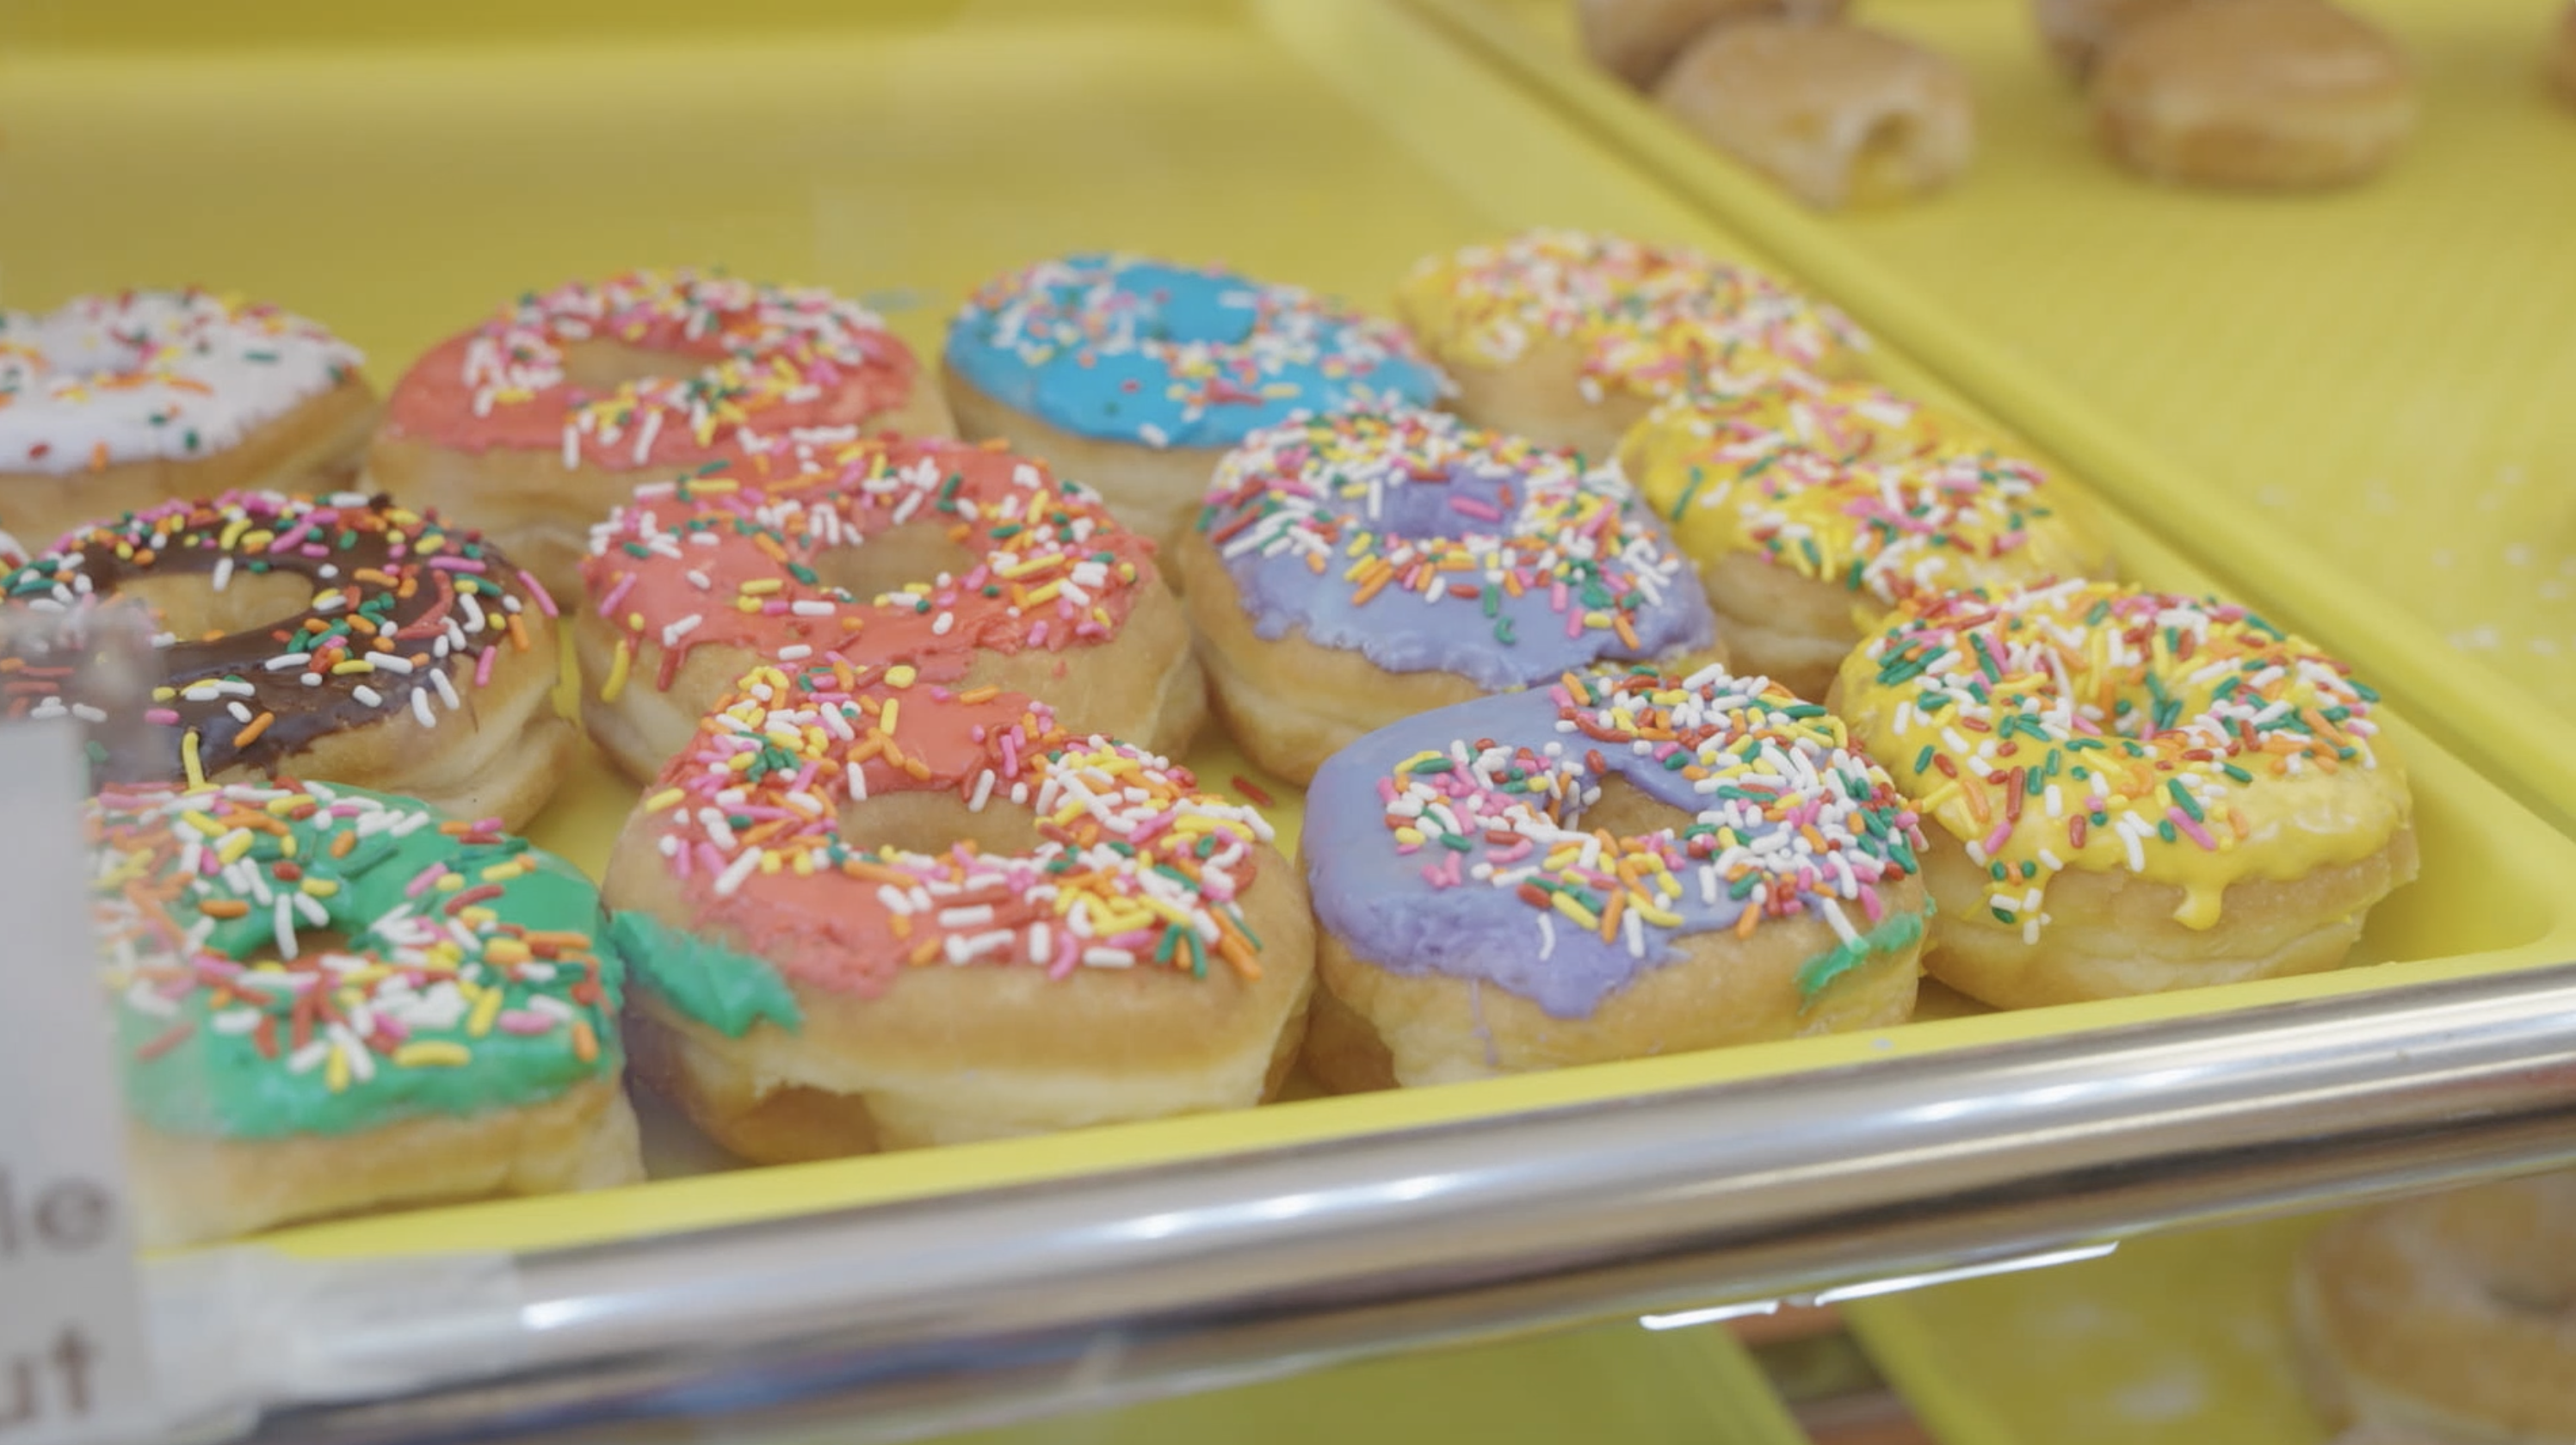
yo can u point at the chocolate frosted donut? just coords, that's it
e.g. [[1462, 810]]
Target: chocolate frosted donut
[[345, 639]]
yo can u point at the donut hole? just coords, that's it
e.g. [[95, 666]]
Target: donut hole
[[934, 822], [603, 366], [192, 608], [310, 944], [1626, 810], [1883, 165], [893, 559]]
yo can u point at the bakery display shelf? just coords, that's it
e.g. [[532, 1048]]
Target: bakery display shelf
[[2183, 1339], [396, 180], [1615, 1384], [2379, 372]]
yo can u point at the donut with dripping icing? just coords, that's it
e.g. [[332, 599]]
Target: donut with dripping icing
[[1626, 864], [114, 404], [1137, 374], [1811, 509], [343, 638], [537, 422], [328, 1000], [870, 915], [2450, 1317], [1570, 337], [964, 565], [2129, 791], [1352, 570]]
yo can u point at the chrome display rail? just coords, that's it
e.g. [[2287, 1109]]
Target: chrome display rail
[[907, 1319]]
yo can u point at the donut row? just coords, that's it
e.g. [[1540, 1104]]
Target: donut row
[[1658, 683]]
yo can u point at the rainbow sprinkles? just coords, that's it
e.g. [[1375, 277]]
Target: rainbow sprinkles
[[1471, 857]]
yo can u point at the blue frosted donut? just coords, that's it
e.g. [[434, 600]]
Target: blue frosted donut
[[1122, 348]]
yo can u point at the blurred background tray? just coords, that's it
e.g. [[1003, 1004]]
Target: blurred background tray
[[2180, 1339]]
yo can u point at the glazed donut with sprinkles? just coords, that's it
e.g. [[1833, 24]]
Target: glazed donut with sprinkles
[[1571, 337], [966, 565], [1811, 508], [113, 404], [343, 638], [871, 915], [534, 424], [1354, 569], [2129, 791], [1136, 374], [328, 1000], [1629, 863]]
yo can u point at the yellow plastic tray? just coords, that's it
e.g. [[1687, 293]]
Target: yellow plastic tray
[[397, 186], [2182, 1339], [2388, 373], [1614, 1385]]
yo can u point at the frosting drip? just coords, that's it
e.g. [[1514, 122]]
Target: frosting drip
[[1137, 350], [153, 376], [1424, 544], [1454, 842], [2099, 727], [471, 977]]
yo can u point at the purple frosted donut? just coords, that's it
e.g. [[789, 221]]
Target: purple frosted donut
[[1353, 569], [1623, 864]]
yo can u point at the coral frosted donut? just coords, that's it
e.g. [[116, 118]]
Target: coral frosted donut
[[2260, 93], [1352, 570], [328, 1000], [113, 404], [1136, 374], [881, 918], [965, 564], [1622, 865], [534, 424], [344, 638], [1838, 114], [2129, 791], [1570, 338], [1812, 510], [2448, 1317]]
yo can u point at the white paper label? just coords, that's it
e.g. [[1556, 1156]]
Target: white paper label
[[72, 1361]]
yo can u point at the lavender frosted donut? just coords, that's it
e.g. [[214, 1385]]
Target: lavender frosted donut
[[1354, 569], [1626, 864]]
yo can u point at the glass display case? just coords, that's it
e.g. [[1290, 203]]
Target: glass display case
[[1513, 1252]]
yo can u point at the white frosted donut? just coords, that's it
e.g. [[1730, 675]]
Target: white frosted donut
[[110, 404]]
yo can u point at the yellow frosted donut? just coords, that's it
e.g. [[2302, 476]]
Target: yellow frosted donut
[[1568, 337], [2128, 791], [1812, 508]]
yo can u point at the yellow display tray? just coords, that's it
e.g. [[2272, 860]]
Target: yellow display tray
[[1611, 1385], [2180, 1339], [393, 178], [2384, 373]]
